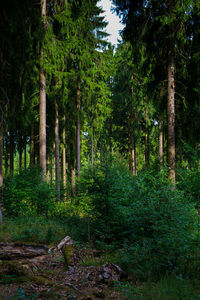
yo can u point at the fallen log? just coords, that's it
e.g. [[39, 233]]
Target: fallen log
[[12, 251]]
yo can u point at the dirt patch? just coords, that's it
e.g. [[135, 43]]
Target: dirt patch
[[48, 277]]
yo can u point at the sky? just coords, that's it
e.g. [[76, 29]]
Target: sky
[[113, 20]]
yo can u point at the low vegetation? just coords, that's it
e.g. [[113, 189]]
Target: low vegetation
[[150, 230]]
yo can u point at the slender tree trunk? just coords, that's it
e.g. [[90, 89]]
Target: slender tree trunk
[[42, 131], [6, 152], [171, 104], [32, 147], [11, 153], [1, 163], [78, 136], [20, 152], [72, 168], [147, 146], [54, 163], [133, 152], [92, 147], [64, 152], [57, 151], [161, 143]]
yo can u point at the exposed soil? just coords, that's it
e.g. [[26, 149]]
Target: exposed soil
[[48, 277]]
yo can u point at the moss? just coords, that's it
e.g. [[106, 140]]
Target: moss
[[68, 254]]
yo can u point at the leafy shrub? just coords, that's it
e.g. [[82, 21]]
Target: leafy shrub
[[188, 180], [26, 194], [153, 226]]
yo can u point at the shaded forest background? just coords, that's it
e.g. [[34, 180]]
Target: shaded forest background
[[103, 142]]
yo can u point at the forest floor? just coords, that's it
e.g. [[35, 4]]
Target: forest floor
[[47, 277]]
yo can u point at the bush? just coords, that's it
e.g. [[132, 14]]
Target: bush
[[26, 194], [153, 226]]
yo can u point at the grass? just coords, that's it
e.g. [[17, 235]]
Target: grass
[[32, 229], [168, 288]]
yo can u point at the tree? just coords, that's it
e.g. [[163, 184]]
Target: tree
[[42, 131]]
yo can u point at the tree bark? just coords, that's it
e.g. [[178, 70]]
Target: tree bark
[[57, 151], [161, 152], [42, 131], [92, 147], [6, 152], [20, 152], [72, 168], [78, 143], [64, 151], [1, 163], [133, 152], [171, 104]]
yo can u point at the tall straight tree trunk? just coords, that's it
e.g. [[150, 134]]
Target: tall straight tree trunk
[[1, 163], [20, 152], [171, 104], [161, 143], [147, 146], [42, 130], [78, 136], [72, 168], [64, 152], [32, 146], [57, 151], [6, 152], [11, 153], [133, 152]]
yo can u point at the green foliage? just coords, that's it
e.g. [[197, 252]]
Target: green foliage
[[168, 288], [188, 180], [26, 194], [153, 226]]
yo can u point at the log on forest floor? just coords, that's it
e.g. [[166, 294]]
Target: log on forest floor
[[12, 251]]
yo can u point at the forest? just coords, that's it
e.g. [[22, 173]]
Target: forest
[[99, 151]]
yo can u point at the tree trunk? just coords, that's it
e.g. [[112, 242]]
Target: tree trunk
[[72, 168], [161, 142], [171, 105], [133, 152], [92, 147], [20, 152], [64, 152], [57, 151], [6, 152], [78, 143], [1, 163], [42, 131]]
